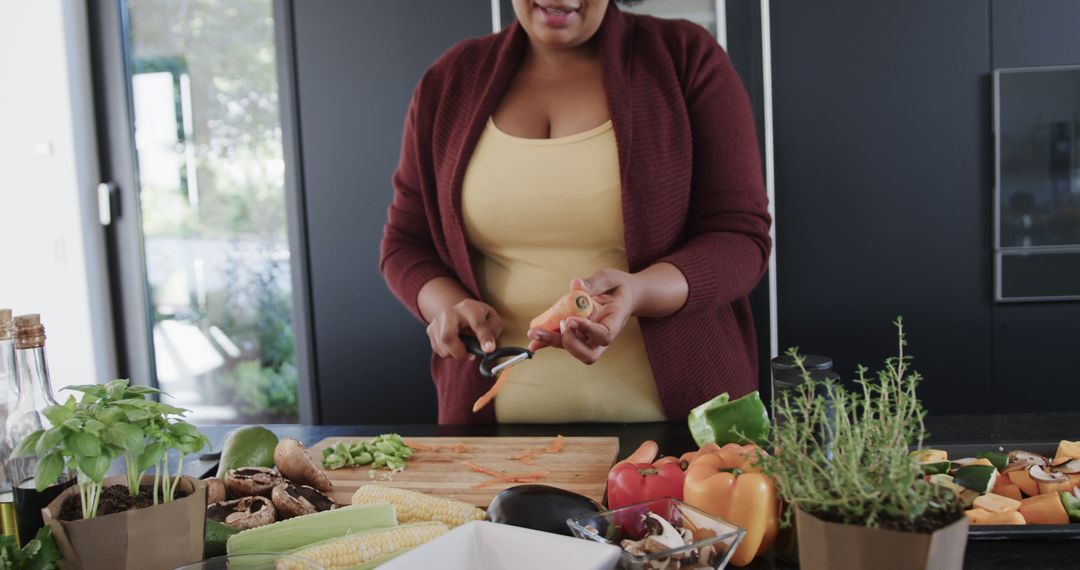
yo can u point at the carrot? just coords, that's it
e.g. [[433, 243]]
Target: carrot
[[645, 453], [490, 394], [556, 445], [482, 469], [572, 304]]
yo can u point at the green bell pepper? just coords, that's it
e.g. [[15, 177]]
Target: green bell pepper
[[1072, 506], [723, 421]]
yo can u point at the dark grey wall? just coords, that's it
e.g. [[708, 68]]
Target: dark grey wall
[[1033, 341], [357, 62], [884, 188]]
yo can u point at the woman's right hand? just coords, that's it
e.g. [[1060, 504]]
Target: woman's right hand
[[467, 316]]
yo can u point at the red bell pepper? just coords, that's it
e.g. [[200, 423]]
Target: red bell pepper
[[630, 483]]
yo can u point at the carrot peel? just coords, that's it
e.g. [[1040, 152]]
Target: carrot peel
[[490, 394]]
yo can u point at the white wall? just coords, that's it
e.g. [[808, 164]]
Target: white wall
[[51, 246]]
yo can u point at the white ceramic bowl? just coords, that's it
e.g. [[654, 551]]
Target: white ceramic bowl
[[482, 545]]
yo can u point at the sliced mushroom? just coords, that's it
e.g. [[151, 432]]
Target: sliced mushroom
[[1039, 474], [249, 512], [294, 500], [1068, 466], [251, 481], [215, 490], [1020, 459], [662, 532]]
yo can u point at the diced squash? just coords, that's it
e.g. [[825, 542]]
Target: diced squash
[[1056, 488], [979, 477], [996, 503], [967, 497], [983, 516], [1067, 450], [929, 456], [1021, 478], [1044, 509], [1011, 490]]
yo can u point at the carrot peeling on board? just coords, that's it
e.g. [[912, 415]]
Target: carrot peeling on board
[[513, 478], [490, 394], [456, 447], [527, 456], [572, 304], [556, 445], [482, 469]]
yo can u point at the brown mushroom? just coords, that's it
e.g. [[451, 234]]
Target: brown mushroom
[[297, 466], [251, 481], [215, 490], [293, 500], [1047, 476], [1070, 466], [249, 512], [1021, 460]]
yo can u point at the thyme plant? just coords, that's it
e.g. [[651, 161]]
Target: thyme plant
[[843, 455]]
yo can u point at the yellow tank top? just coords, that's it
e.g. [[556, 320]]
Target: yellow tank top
[[537, 213]]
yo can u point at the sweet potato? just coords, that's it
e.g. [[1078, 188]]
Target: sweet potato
[[983, 516], [1021, 478], [1044, 509]]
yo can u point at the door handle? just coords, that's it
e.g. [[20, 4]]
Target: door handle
[[106, 191]]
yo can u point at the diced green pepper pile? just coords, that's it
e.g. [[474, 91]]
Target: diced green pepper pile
[[384, 451]]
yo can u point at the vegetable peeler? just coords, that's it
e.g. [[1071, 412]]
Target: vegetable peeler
[[489, 363]]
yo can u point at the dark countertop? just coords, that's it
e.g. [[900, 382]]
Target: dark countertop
[[674, 438]]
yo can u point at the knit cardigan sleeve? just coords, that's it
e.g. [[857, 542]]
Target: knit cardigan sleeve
[[727, 242], [408, 256]]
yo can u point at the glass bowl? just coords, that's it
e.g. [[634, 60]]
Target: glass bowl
[[260, 561], [626, 523]]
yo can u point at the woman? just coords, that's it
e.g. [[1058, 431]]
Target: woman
[[595, 149]]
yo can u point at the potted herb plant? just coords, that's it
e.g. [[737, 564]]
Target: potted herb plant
[[842, 462], [127, 521]]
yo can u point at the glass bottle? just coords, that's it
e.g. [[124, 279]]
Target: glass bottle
[[34, 395], [7, 390]]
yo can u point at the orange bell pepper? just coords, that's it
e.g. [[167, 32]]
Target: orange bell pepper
[[728, 483]]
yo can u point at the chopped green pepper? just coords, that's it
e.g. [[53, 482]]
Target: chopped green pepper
[[723, 421], [1072, 506], [997, 458]]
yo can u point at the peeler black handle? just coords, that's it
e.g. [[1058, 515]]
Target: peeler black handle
[[490, 360], [472, 344]]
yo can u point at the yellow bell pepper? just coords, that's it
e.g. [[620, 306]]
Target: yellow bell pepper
[[728, 483]]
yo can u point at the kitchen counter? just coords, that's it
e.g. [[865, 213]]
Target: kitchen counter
[[674, 438]]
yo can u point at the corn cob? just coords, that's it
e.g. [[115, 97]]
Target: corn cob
[[310, 529], [368, 549], [412, 506]]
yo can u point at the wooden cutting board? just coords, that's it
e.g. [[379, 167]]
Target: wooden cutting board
[[582, 467]]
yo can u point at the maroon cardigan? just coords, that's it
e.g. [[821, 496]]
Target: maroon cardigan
[[692, 196]]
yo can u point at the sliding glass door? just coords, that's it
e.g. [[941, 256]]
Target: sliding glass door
[[202, 245]]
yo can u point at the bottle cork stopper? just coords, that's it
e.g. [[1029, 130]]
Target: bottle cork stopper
[[7, 326], [28, 332]]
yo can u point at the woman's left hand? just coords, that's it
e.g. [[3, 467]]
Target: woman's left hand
[[616, 294]]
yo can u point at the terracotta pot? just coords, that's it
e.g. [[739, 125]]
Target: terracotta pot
[[824, 545], [162, 536]]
